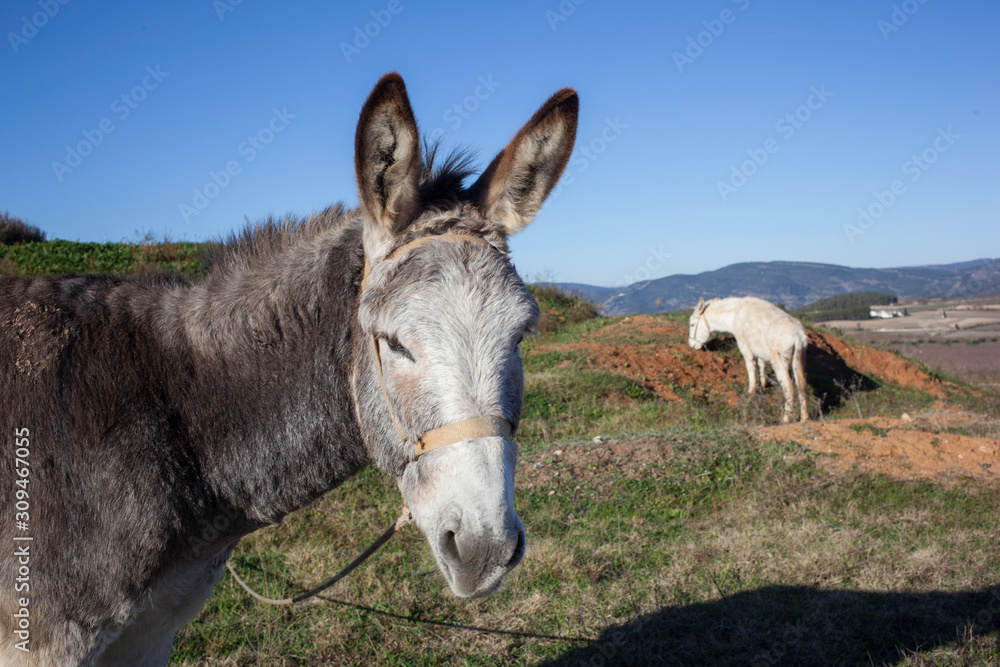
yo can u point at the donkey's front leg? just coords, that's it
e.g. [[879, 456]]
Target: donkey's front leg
[[762, 368]]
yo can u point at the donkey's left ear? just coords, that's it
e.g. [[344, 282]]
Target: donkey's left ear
[[520, 177], [387, 158]]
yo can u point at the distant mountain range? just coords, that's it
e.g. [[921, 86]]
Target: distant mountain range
[[792, 283]]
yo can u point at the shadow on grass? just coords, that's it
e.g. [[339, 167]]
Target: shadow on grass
[[794, 625], [832, 379], [829, 376]]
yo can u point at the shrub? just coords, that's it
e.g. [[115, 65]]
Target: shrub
[[558, 309], [14, 231]]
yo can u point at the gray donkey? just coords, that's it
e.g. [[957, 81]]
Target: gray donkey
[[148, 424]]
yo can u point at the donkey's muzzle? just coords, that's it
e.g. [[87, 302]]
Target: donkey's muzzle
[[476, 558]]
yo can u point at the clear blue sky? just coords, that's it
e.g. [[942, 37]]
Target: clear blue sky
[[661, 132]]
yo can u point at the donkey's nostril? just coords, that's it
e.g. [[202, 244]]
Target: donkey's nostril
[[518, 554], [449, 546]]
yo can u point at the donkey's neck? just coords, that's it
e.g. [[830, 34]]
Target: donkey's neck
[[720, 314], [269, 335]]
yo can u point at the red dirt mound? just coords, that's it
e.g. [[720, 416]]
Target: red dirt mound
[[654, 352], [904, 448], [883, 365]]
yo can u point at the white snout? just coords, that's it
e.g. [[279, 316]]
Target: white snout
[[462, 498]]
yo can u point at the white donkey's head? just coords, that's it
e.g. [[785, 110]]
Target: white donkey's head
[[438, 380], [699, 330]]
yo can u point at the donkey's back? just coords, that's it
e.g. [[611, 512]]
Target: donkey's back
[[764, 334], [768, 331], [108, 485]]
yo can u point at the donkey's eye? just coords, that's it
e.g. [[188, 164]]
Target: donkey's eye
[[395, 346]]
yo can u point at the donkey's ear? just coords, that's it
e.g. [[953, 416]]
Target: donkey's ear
[[387, 156], [519, 178]]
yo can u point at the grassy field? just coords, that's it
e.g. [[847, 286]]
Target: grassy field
[[676, 539], [716, 553], [660, 530], [58, 257]]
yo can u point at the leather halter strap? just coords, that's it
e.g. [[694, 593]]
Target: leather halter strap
[[449, 434]]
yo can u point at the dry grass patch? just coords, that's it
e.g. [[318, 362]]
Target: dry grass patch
[[689, 547]]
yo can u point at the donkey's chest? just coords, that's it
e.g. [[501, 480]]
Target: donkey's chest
[[173, 600]]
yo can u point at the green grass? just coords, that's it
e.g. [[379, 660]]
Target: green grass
[[693, 544], [682, 540], [869, 428], [558, 309], [572, 402], [61, 257], [706, 553]]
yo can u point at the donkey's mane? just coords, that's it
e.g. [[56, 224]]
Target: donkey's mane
[[441, 190]]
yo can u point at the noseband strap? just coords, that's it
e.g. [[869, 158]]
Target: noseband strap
[[449, 434]]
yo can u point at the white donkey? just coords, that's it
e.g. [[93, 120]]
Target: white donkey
[[764, 333]]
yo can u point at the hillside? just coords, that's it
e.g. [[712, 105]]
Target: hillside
[[37, 258], [853, 306], [795, 284], [590, 293], [667, 514]]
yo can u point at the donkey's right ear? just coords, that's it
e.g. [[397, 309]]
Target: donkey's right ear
[[701, 305], [520, 177], [387, 158]]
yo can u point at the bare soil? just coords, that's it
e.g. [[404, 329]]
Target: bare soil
[[978, 363], [952, 319], [959, 337], [595, 461], [904, 448], [908, 448], [653, 351]]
